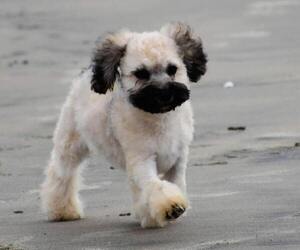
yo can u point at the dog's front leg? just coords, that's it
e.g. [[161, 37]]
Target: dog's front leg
[[177, 174], [156, 201]]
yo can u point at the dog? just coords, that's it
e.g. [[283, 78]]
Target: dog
[[132, 105]]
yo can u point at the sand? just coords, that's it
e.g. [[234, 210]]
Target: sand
[[243, 184]]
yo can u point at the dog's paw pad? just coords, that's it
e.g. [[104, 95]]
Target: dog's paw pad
[[175, 211]]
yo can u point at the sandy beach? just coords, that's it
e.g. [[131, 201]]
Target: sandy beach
[[243, 184]]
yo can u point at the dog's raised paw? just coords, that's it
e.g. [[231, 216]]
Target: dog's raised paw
[[165, 202], [175, 211]]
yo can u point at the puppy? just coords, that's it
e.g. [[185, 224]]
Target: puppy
[[132, 105]]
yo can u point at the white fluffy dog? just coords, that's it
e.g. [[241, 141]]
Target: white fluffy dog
[[132, 105]]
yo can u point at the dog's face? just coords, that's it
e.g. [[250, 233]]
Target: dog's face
[[155, 68]]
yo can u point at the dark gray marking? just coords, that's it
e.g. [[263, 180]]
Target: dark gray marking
[[191, 49], [105, 65]]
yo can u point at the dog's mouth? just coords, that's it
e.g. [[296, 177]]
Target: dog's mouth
[[155, 98]]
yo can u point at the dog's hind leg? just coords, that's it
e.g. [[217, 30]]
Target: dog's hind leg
[[60, 189]]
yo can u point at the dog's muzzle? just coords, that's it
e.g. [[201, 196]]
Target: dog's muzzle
[[156, 98]]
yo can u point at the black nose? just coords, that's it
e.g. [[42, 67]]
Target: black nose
[[165, 96], [175, 92]]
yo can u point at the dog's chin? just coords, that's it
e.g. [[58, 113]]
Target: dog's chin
[[154, 99]]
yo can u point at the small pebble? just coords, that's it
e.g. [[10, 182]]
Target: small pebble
[[228, 84], [111, 167], [297, 144]]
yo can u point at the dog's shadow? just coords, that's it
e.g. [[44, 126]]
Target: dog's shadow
[[118, 232]]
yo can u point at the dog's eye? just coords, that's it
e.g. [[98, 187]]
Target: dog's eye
[[142, 74], [171, 70]]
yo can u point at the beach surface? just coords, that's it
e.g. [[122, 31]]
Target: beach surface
[[243, 183]]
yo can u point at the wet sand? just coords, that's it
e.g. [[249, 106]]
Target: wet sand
[[243, 185]]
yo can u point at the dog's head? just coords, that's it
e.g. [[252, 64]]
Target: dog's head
[[155, 68]]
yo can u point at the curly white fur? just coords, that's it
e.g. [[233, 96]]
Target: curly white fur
[[152, 148]]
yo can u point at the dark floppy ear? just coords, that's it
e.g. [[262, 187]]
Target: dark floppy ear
[[190, 48], [106, 60]]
